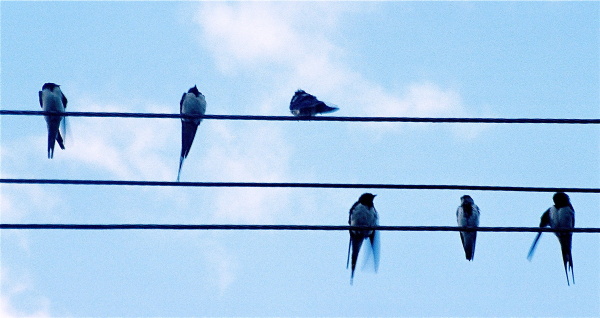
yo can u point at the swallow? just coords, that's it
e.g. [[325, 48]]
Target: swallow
[[363, 213], [467, 215], [53, 100], [559, 216], [305, 104], [192, 103]]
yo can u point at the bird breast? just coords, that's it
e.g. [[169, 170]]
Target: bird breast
[[193, 105], [363, 216], [52, 100], [471, 220]]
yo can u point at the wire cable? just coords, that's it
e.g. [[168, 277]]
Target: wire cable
[[296, 185], [13, 226], [318, 118]]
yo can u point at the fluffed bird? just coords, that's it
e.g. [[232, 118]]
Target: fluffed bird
[[305, 104], [53, 100], [363, 213], [559, 216], [192, 103], [467, 215]]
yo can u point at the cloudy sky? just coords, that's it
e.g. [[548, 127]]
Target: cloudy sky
[[439, 59]]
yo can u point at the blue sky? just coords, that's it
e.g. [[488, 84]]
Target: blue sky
[[440, 59]]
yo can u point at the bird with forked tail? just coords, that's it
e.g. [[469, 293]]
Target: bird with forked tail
[[467, 215], [559, 216], [192, 103], [53, 100], [363, 213]]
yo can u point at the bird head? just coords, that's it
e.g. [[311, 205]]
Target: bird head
[[194, 90], [561, 199], [50, 86], [367, 199], [466, 199]]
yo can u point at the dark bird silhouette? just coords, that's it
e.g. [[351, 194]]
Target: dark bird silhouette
[[305, 104], [192, 103], [53, 100], [363, 213], [559, 216], [467, 215]]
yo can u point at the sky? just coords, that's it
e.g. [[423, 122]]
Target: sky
[[426, 59]]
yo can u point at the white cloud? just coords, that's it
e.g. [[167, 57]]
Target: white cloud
[[428, 99], [12, 288], [247, 153], [222, 263], [18, 203], [7, 206], [126, 148], [243, 35], [247, 34]]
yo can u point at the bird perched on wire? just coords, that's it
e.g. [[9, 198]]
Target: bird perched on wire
[[467, 215], [305, 104], [53, 100], [559, 216], [192, 103], [363, 213]]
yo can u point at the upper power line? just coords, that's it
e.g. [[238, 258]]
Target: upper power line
[[319, 118], [297, 185]]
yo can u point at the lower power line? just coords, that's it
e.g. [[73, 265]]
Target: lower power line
[[271, 227]]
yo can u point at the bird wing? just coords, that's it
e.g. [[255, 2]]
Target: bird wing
[[64, 100], [572, 213], [475, 215], [352, 211], [545, 221], [181, 104], [302, 100], [348, 258]]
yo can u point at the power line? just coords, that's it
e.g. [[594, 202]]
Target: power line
[[296, 185], [7, 226], [318, 118]]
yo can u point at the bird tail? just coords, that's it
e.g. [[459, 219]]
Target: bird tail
[[63, 126], [356, 240], [469, 239], [179, 171], [348, 258], [324, 108], [375, 247], [50, 145], [188, 132], [533, 246], [60, 141], [53, 134], [565, 245]]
